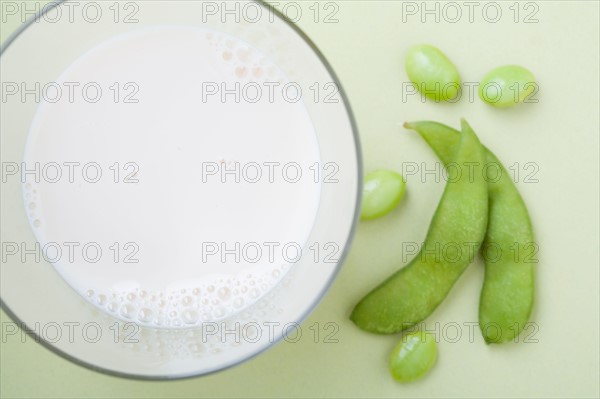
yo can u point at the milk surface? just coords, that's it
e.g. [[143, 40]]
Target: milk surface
[[159, 215]]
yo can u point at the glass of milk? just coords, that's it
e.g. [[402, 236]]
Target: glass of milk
[[180, 182]]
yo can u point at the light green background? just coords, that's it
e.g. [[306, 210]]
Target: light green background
[[559, 134]]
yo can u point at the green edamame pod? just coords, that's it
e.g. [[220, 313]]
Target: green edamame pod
[[411, 294], [507, 295]]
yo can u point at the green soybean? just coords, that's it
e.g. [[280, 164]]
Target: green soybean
[[432, 73], [507, 86], [413, 357], [412, 293], [508, 289], [382, 192]]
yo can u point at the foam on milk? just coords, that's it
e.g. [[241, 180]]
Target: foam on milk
[[161, 220]]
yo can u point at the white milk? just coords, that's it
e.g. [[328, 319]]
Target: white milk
[[175, 217]]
